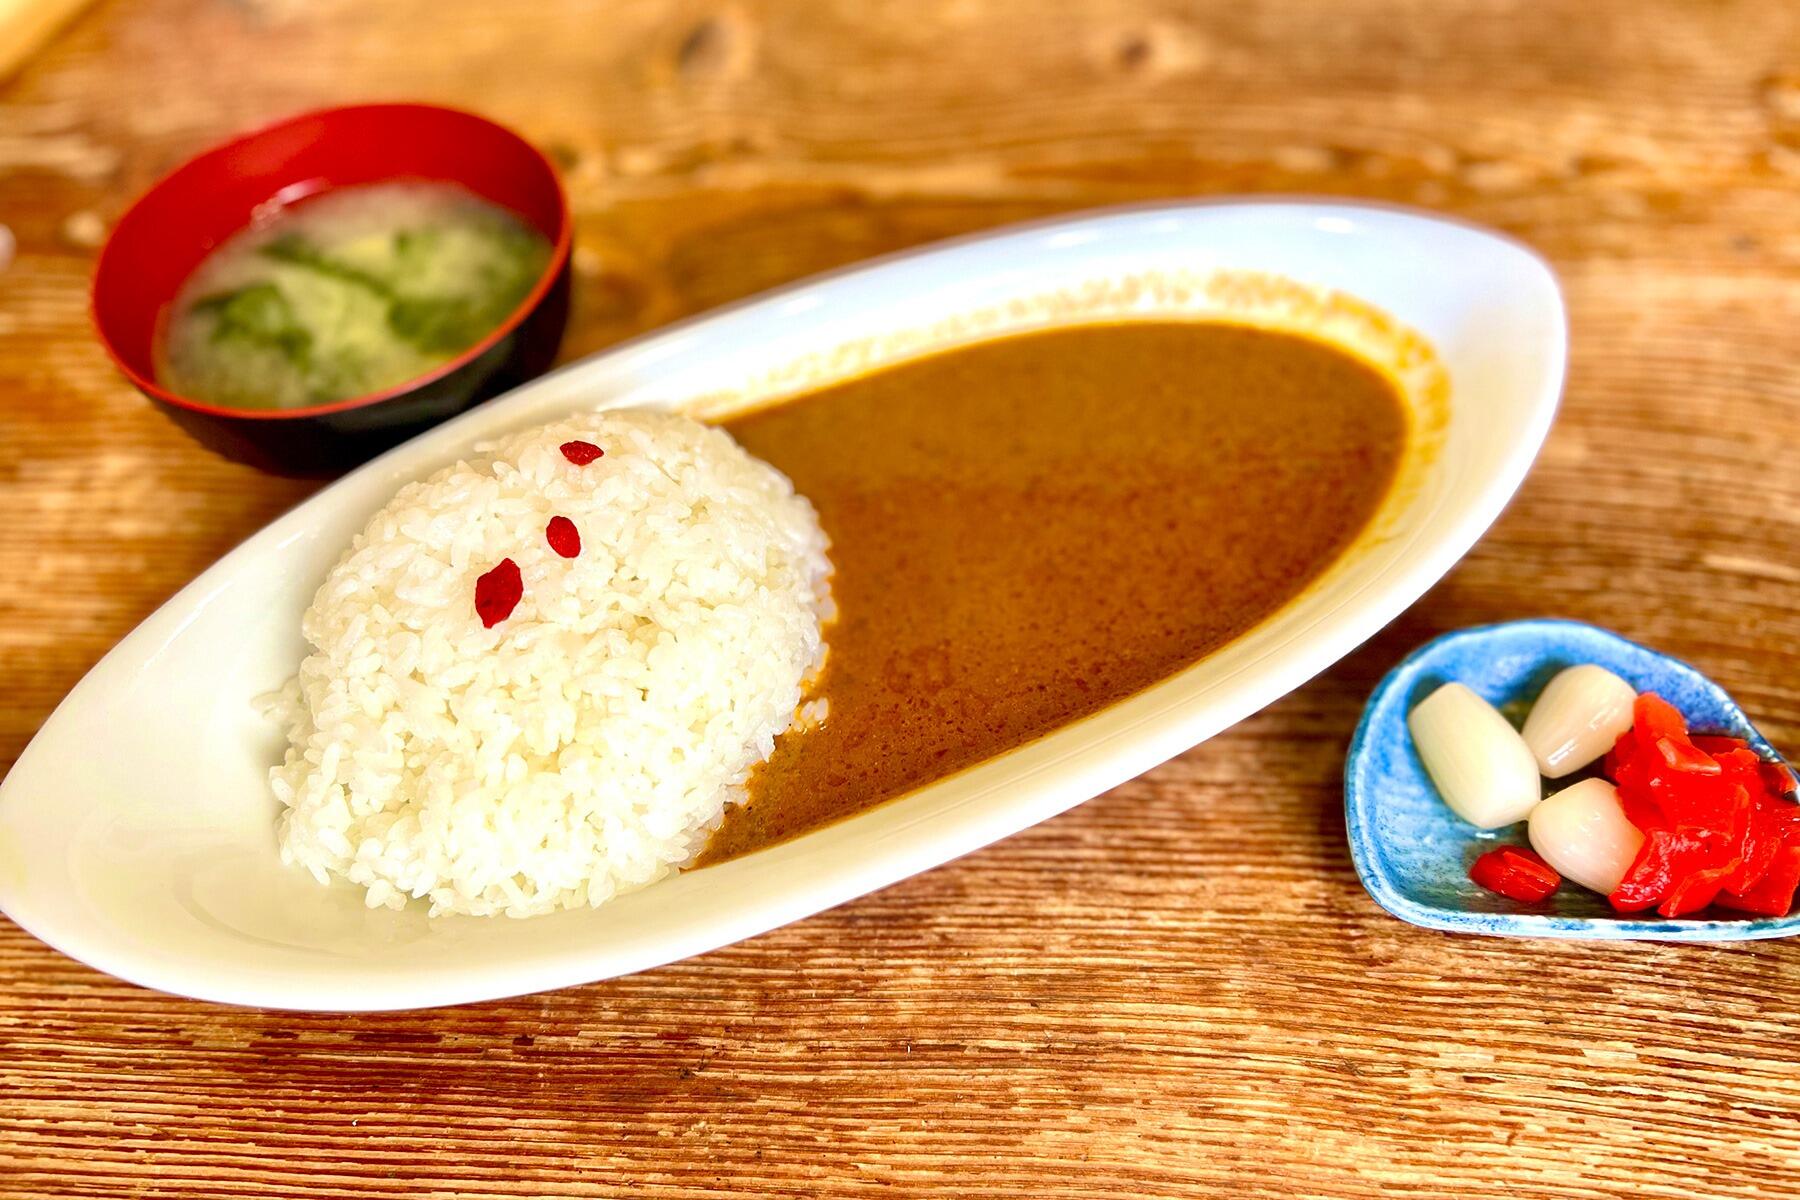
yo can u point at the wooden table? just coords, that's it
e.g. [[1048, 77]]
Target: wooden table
[[1176, 990]]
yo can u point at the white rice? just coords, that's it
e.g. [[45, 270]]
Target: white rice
[[588, 743]]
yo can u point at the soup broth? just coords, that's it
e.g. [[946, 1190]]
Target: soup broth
[[351, 292]]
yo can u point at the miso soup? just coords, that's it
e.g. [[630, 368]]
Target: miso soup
[[351, 292]]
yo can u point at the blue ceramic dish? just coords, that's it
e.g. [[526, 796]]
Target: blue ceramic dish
[[1413, 853]]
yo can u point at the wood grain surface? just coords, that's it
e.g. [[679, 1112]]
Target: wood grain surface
[[1178, 989]]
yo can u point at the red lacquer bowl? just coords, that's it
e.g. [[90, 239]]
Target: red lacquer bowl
[[163, 237]]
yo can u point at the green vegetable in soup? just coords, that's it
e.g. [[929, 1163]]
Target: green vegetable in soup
[[295, 250], [261, 316]]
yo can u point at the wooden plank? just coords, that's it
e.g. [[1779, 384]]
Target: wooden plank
[[25, 25]]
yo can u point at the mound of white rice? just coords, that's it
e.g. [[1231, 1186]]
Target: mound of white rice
[[589, 742]]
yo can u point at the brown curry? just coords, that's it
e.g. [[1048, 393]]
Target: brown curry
[[1029, 529]]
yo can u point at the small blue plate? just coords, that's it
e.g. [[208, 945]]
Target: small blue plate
[[1413, 853]]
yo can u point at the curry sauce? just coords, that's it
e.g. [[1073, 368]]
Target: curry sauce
[[1030, 529]]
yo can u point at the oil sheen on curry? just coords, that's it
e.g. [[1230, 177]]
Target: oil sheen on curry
[[1029, 529]]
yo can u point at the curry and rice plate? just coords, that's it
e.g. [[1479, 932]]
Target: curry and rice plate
[[581, 659]]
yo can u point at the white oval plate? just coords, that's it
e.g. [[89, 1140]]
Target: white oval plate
[[137, 829]]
